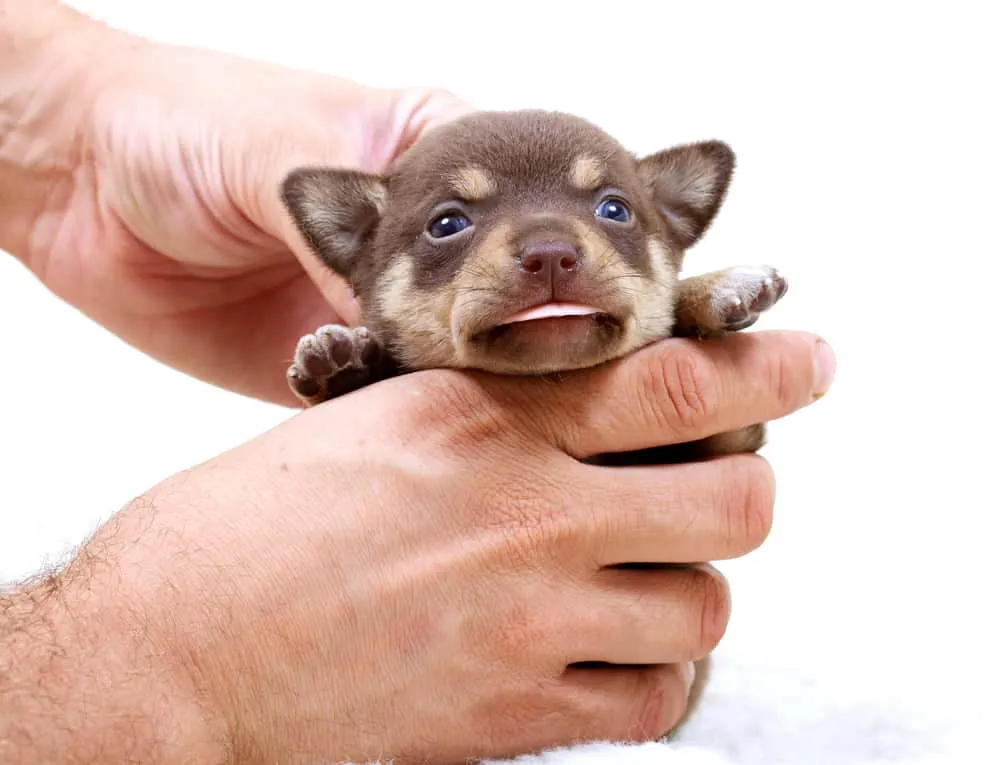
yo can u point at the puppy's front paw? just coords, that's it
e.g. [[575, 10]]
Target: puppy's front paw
[[332, 351], [726, 301], [743, 294]]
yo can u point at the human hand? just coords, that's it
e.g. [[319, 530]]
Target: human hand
[[165, 223], [417, 587]]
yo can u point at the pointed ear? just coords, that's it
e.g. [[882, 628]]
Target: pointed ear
[[688, 184], [336, 211]]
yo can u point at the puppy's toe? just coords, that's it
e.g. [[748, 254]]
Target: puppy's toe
[[747, 292], [367, 350], [732, 307], [770, 289], [311, 358], [302, 383], [337, 345]]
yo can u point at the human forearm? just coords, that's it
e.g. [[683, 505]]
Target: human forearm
[[49, 54], [82, 683]]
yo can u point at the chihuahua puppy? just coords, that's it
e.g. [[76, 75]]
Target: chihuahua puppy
[[522, 243]]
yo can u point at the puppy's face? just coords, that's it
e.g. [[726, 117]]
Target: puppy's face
[[514, 242]]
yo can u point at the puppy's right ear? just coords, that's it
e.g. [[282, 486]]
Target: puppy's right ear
[[336, 211]]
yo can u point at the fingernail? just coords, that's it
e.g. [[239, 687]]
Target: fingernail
[[825, 366], [688, 672]]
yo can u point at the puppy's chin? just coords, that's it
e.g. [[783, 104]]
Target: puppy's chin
[[544, 344]]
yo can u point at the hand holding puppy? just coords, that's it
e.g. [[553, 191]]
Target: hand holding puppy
[[424, 586]]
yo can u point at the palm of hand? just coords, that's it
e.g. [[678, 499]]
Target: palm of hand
[[171, 232]]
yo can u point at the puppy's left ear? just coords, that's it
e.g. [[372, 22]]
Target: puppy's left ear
[[336, 211], [688, 184]]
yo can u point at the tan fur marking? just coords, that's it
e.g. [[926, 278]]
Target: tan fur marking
[[429, 341], [655, 297], [587, 173], [473, 184], [494, 256], [599, 254]]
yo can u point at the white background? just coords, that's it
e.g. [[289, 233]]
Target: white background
[[868, 172]]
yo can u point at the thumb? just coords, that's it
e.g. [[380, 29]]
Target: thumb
[[678, 391], [412, 112]]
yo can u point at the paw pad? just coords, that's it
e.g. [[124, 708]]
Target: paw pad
[[327, 352]]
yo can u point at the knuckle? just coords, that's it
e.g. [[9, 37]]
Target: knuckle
[[681, 389], [714, 609], [750, 510], [658, 702], [784, 379], [528, 712]]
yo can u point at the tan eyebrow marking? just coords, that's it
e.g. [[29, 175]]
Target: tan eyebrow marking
[[587, 173], [472, 184]]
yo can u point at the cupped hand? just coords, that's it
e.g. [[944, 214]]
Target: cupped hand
[[168, 228], [426, 587]]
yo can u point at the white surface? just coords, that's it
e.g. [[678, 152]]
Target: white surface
[[863, 632]]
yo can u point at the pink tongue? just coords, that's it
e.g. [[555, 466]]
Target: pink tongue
[[552, 311]]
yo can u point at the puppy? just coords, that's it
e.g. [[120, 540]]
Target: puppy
[[522, 243]]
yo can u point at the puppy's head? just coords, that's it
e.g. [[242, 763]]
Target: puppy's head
[[514, 242]]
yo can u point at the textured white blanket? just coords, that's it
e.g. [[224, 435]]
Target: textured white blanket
[[757, 716]]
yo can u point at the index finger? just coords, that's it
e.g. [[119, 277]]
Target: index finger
[[680, 390]]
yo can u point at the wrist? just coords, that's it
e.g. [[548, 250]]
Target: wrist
[[50, 55], [81, 681]]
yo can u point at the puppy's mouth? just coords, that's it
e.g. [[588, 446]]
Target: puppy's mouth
[[552, 311], [554, 318]]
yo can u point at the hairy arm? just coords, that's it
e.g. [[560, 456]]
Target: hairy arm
[[80, 679], [82, 682]]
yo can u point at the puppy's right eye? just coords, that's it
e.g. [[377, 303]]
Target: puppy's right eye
[[447, 225]]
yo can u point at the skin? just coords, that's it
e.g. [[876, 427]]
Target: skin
[[143, 190], [267, 605]]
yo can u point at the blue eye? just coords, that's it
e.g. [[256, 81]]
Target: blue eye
[[448, 225], [613, 209]]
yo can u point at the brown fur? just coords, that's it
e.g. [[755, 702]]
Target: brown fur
[[529, 184]]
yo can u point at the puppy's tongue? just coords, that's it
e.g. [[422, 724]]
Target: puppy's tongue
[[551, 311]]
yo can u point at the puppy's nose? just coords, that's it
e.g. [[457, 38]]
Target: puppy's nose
[[549, 258]]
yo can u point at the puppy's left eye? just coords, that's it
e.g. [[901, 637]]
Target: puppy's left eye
[[613, 209], [447, 225]]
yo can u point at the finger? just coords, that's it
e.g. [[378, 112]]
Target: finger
[[681, 390], [336, 291], [630, 704], [277, 221], [713, 510], [655, 616], [582, 705], [416, 110]]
